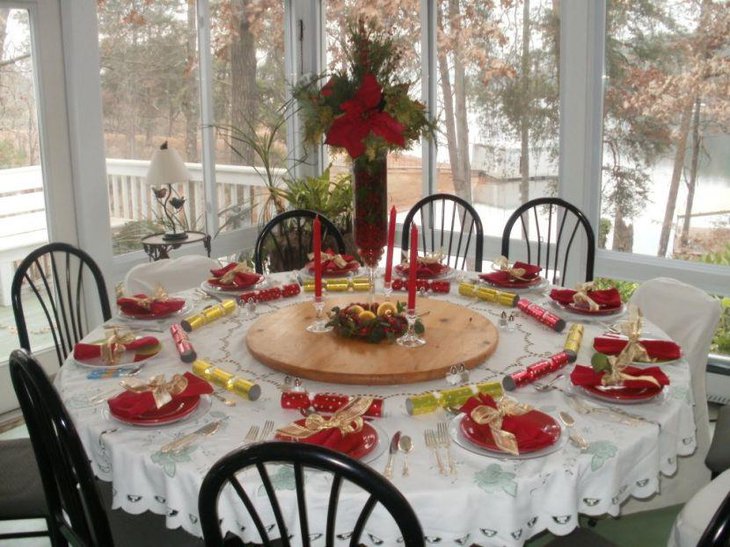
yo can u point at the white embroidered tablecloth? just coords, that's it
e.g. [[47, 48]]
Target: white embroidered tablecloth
[[490, 501]]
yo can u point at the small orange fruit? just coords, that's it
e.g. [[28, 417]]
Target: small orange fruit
[[355, 309], [366, 315], [387, 308]]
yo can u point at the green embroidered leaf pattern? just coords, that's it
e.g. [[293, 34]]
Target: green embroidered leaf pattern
[[283, 479], [169, 461], [493, 480], [602, 451]]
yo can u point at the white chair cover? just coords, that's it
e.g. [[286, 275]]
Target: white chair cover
[[174, 274], [696, 514], [689, 316]]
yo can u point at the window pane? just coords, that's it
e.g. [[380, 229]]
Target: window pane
[[22, 202], [666, 173], [498, 104], [249, 89], [149, 80]]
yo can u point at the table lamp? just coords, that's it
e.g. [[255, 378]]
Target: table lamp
[[167, 168]]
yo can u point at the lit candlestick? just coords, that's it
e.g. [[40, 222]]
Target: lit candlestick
[[413, 268], [317, 244], [391, 243]]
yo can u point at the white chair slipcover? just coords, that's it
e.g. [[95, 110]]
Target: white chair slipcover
[[689, 316], [174, 274], [698, 511]]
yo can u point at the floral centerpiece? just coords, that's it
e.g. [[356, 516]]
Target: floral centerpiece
[[372, 322], [365, 110]]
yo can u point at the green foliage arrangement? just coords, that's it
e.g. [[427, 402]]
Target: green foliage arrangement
[[625, 288], [353, 321], [365, 108]]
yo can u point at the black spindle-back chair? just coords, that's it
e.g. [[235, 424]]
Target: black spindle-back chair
[[55, 273], [286, 240], [447, 224], [301, 456], [558, 226]]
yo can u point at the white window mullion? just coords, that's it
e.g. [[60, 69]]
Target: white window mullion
[[429, 91]]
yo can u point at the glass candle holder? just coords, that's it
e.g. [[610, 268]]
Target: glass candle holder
[[411, 339], [319, 325]]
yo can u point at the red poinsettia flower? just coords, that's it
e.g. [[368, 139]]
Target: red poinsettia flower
[[363, 115]]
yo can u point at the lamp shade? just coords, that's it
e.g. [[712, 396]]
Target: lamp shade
[[167, 167]]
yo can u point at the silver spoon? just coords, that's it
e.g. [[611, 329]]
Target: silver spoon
[[405, 445], [576, 438], [226, 401], [549, 385]]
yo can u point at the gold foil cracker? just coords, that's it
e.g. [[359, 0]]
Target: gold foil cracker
[[348, 420], [486, 415], [162, 391]]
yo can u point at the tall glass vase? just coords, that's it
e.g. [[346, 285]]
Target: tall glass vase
[[370, 190]]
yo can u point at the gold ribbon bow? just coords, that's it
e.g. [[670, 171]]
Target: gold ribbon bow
[[581, 296], [501, 264], [633, 351], [162, 391], [230, 276], [427, 259], [112, 348], [146, 302], [486, 415], [348, 420], [338, 259]]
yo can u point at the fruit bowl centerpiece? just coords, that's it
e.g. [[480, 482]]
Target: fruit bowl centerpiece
[[372, 322]]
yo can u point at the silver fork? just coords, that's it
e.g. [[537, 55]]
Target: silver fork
[[250, 437], [432, 443], [267, 429], [445, 441]]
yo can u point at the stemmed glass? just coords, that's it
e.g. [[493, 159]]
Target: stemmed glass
[[319, 324], [411, 339]]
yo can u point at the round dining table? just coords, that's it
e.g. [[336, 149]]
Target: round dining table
[[482, 498]]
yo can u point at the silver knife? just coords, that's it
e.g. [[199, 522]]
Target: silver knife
[[190, 438], [391, 457]]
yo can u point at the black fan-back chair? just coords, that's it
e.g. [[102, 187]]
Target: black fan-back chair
[[56, 274], [447, 224], [76, 513], [286, 240], [301, 456], [559, 226]]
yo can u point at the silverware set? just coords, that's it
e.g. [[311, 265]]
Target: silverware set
[[256, 434], [435, 441], [186, 440]]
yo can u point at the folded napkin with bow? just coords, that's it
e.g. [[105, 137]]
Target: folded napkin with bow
[[518, 273], [141, 304], [607, 299], [139, 397], [142, 347], [333, 263], [427, 268], [235, 275], [587, 377], [663, 350], [516, 418]]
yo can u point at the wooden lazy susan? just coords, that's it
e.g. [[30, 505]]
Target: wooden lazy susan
[[454, 334]]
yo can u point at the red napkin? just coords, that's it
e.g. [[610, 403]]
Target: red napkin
[[665, 350], [330, 267], [241, 279], [607, 299], [129, 404], [157, 307], [424, 271], [586, 376], [529, 433], [504, 277], [83, 352], [334, 439]]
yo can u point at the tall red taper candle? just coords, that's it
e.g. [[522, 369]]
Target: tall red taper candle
[[413, 267], [317, 245], [391, 243]]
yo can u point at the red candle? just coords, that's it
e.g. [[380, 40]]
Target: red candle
[[317, 246], [413, 268], [391, 243]]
